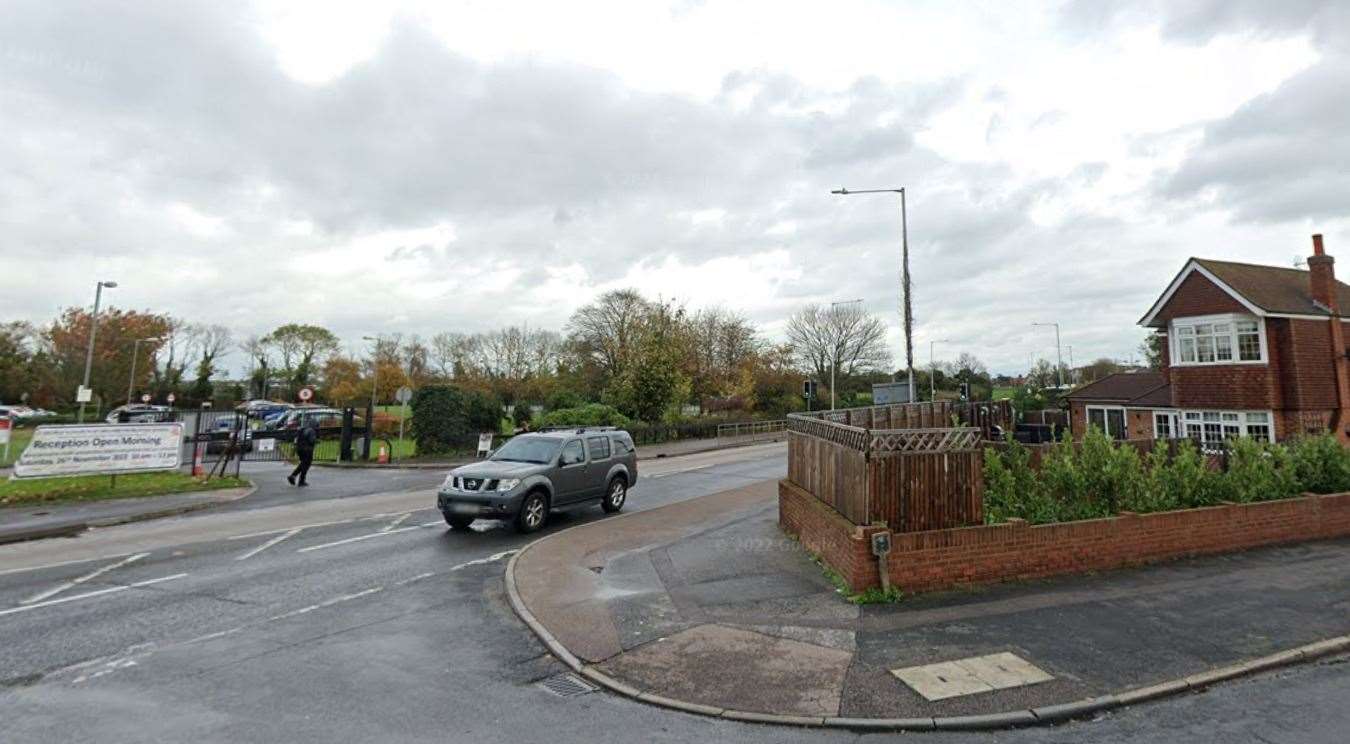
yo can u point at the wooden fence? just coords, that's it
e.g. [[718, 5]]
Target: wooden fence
[[904, 465]]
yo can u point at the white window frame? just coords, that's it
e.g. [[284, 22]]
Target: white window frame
[[1173, 421], [1188, 419], [1232, 319], [1106, 429]]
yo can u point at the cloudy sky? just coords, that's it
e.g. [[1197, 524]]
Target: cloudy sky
[[421, 167]]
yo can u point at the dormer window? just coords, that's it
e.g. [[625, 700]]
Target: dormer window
[[1218, 339]]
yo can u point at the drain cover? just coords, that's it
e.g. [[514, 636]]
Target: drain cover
[[567, 685]]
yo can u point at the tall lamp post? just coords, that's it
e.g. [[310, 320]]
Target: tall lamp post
[[932, 363], [93, 331], [374, 369], [904, 276], [1059, 353], [834, 353], [135, 349]]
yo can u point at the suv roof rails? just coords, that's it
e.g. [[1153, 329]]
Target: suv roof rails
[[579, 429]]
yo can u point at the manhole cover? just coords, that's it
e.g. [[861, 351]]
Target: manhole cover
[[566, 685]]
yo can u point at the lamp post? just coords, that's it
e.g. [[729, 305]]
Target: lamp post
[[93, 331], [904, 276], [834, 353], [932, 363], [1059, 354], [374, 369], [135, 348]]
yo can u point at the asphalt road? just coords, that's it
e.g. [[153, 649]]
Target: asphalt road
[[388, 627]]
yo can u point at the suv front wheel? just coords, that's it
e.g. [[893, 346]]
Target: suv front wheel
[[533, 511], [615, 496]]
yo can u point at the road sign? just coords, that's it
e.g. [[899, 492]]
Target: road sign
[[145, 398], [484, 444], [403, 395], [306, 394], [84, 394], [170, 398], [881, 543]]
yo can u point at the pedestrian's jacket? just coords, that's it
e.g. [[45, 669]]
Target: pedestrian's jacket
[[305, 439]]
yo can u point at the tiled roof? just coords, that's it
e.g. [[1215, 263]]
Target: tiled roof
[[1127, 387], [1272, 288]]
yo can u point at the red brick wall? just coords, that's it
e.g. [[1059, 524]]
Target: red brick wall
[[1198, 296], [941, 559], [1235, 386]]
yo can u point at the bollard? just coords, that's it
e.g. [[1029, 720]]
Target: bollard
[[384, 454]]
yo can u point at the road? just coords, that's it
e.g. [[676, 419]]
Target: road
[[371, 621]]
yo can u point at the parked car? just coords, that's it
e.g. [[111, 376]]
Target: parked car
[[535, 474], [263, 410], [138, 413], [327, 420]]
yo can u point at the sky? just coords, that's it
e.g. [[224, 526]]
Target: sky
[[421, 167]]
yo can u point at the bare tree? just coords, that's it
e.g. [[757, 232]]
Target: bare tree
[[607, 330], [844, 337], [452, 354]]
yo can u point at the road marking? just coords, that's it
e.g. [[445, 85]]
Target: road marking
[[490, 559], [356, 539], [418, 577], [437, 523], [87, 595], [76, 582], [326, 603], [268, 544], [400, 520]]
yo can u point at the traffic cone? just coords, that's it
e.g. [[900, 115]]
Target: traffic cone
[[384, 455], [197, 469]]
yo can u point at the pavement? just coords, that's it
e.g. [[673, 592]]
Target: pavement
[[33, 522], [705, 605]]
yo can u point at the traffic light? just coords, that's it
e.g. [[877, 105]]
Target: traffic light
[[965, 391]]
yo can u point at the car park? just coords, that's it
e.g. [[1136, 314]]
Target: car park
[[139, 413], [538, 473]]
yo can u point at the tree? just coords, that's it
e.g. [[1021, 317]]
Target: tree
[[259, 351], [840, 337], [1099, 369], [650, 381], [452, 354], [716, 344], [66, 341], [212, 343], [303, 348], [26, 369], [606, 331], [1151, 350], [446, 417]]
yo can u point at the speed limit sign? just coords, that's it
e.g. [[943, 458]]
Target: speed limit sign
[[170, 398], [306, 394], [145, 398]]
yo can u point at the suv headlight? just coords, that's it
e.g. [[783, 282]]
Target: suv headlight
[[506, 484], [449, 481]]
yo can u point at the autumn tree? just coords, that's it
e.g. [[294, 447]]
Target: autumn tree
[[302, 349], [66, 341]]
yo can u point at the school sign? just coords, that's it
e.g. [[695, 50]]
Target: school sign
[[106, 449]]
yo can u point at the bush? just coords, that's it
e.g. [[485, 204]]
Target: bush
[[1321, 464], [594, 414], [1259, 472], [445, 418], [563, 399]]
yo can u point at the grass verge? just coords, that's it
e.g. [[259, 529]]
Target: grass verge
[[101, 487], [870, 595]]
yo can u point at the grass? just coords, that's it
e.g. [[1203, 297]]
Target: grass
[[870, 595], [1002, 392], [18, 442], [99, 487]]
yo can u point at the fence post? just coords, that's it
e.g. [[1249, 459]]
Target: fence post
[[345, 444], [370, 432]]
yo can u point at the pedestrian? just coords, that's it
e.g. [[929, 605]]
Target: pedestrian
[[305, 440]]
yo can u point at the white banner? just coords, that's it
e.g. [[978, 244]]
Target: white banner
[[101, 448]]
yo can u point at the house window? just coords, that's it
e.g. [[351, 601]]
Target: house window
[[1216, 427], [1111, 420], [1164, 425], [1218, 339]]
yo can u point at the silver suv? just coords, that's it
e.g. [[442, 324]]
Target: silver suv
[[535, 474]]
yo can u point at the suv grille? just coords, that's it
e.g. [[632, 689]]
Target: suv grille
[[472, 484]]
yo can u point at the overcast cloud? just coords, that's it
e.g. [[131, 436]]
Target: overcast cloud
[[448, 167]]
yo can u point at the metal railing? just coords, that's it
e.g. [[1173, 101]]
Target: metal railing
[[751, 431]]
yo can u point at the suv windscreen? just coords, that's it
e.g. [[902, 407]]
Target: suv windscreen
[[528, 449]]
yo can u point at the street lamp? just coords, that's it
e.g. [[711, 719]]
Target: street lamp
[[135, 347], [904, 276], [932, 362], [1059, 354], [93, 331], [834, 353], [374, 369]]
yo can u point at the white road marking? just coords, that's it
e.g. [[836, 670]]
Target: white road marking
[[211, 636], [326, 603], [268, 544], [356, 539], [490, 559], [418, 577], [400, 520], [437, 523], [76, 582], [87, 595]]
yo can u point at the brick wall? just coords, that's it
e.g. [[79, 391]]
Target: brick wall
[[1198, 296], [941, 559], [1236, 386], [1138, 421]]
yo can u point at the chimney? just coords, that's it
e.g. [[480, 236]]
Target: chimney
[[1322, 276]]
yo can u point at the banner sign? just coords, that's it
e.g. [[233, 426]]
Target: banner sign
[[5, 424], [92, 449]]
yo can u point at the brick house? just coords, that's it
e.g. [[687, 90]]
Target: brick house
[[1247, 350]]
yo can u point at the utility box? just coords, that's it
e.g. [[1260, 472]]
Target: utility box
[[888, 393]]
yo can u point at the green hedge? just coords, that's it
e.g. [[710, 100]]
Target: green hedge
[[593, 414], [445, 418], [1101, 477]]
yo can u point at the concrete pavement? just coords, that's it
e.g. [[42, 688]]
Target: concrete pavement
[[706, 602]]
